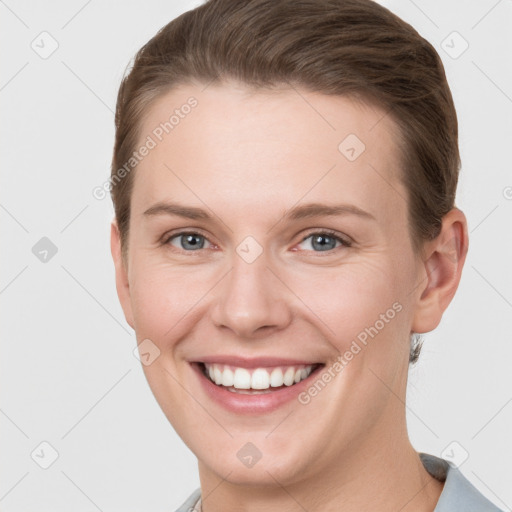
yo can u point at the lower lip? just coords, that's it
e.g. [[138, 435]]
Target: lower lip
[[256, 403]]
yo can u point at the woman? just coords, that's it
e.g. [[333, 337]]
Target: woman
[[284, 176]]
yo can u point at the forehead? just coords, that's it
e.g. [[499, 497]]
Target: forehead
[[230, 143]]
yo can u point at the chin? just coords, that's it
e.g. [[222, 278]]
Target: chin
[[242, 463]]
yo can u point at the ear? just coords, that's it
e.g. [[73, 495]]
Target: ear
[[441, 270], [122, 284]]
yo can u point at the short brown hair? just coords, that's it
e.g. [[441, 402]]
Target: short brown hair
[[354, 48]]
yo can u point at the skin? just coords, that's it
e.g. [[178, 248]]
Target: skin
[[247, 157]]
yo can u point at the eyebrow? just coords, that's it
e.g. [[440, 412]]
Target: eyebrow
[[317, 209], [298, 212], [187, 212]]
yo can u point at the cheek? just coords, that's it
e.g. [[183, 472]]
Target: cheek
[[357, 303], [164, 300], [166, 307]]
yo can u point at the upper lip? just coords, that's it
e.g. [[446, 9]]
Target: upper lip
[[253, 362]]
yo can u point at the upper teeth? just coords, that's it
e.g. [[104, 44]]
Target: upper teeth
[[259, 378]]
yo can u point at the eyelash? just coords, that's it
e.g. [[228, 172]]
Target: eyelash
[[345, 242], [330, 233]]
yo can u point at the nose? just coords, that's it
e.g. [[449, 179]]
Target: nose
[[251, 301]]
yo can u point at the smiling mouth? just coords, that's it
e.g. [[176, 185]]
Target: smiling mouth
[[258, 380]]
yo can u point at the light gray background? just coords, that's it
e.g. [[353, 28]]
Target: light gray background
[[68, 373]]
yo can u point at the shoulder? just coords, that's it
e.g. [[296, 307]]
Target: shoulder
[[189, 503]]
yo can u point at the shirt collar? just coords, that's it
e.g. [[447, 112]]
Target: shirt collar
[[458, 493]]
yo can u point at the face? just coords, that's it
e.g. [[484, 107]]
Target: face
[[269, 230]]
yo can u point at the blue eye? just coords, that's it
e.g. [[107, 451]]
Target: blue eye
[[187, 241], [319, 241], [324, 241]]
